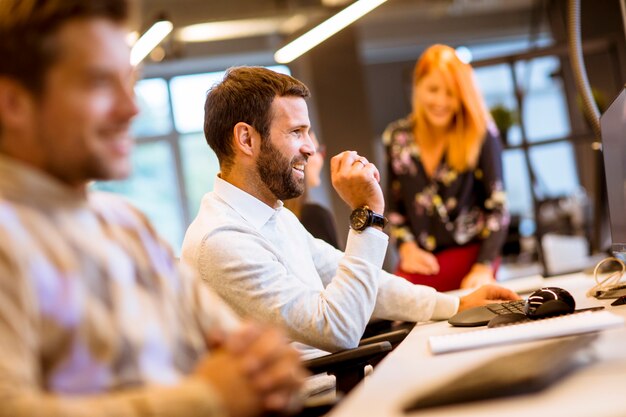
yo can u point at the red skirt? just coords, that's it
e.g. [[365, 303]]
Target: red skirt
[[454, 265]]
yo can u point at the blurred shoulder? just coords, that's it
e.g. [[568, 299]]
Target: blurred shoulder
[[492, 138], [398, 131], [117, 209]]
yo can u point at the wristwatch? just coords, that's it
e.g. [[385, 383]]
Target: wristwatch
[[362, 218]]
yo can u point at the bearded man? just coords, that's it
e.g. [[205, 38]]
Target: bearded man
[[258, 256]]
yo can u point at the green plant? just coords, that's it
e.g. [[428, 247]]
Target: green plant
[[503, 117]]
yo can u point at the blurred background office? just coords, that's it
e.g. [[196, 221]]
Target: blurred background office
[[360, 79]]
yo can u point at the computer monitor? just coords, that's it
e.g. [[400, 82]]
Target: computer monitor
[[613, 127]]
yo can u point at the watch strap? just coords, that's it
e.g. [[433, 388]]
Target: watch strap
[[377, 220], [373, 219]]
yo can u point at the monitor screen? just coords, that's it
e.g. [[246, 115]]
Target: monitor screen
[[613, 126]]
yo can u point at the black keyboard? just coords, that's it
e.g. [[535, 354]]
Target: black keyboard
[[480, 316], [509, 307]]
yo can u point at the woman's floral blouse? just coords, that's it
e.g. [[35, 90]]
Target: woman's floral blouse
[[451, 208]]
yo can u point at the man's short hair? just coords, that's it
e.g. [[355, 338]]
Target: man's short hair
[[244, 95], [27, 29]]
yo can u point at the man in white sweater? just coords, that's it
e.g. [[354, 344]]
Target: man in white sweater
[[258, 256], [96, 317]]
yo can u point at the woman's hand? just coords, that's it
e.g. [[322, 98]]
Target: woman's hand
[[479, 275], [415, 260]]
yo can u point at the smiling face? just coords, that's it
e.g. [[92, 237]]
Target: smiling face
[[436, 100], [284, 154], [77, 129]]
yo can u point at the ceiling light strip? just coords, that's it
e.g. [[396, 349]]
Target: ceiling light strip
[[233, 29], [325, 30], [150, 40]]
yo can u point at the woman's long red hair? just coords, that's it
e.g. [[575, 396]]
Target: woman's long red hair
[[469, 124]]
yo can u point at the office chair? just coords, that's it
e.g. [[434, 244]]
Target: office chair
[[379, 327], [394, 337], [348, 365]]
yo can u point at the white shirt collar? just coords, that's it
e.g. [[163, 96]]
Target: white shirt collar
[[253, 210]]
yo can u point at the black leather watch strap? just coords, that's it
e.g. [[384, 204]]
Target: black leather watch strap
[[362, 218], [378, 220]]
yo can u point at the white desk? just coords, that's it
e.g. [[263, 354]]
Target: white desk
[[596, 390]]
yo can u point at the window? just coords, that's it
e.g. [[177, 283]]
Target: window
[[173, 167], [545, 109], [517, 182], [200, 167], [189, 94], [496, 85], [555, 168], [154, 116], [542, 94], [153, 189]]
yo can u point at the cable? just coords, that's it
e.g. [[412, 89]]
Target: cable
[[610, 282], [578, 66]]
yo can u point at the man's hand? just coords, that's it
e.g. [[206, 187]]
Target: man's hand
[[415, 260], [357, 181], [254, 370], [480, 274], [487, 294]]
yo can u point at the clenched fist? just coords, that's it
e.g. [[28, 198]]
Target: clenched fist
[[356, 180]]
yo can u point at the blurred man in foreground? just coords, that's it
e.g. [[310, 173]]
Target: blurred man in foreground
[[95, 317]]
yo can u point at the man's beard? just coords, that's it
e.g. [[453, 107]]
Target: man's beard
[[276, 172]]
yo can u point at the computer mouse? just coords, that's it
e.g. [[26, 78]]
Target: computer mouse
[[504, 319], [549, 301]]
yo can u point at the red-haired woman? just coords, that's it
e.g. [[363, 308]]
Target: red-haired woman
[[446, 203]]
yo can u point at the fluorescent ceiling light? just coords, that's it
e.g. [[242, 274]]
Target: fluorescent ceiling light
[[150, 40], [242, 28], [335, 3], [325, 30]]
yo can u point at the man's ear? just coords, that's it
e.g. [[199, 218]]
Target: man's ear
[[15, 104], [245, 137]]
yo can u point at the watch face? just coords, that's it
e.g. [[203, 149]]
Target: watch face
[[359, 219]]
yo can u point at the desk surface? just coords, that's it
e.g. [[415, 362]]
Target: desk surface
[[598, 389]]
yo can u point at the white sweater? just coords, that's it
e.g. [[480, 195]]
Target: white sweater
[[265, 264]]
